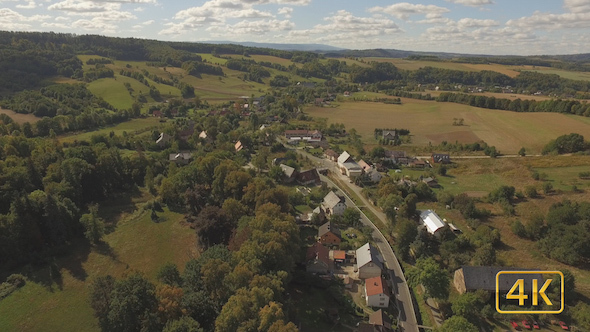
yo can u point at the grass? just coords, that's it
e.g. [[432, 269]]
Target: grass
[[128, 126], [572, 75], [114, 92], [431, 122], [137, 244], [565, 177], [18, 117], [417, 64]]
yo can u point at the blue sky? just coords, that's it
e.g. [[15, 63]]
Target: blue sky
[[522, 27]]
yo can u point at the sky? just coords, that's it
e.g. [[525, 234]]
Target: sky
[[499, 27]]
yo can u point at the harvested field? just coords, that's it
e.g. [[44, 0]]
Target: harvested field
[[18, 117]]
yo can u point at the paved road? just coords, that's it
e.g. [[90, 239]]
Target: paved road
[[407, 318]]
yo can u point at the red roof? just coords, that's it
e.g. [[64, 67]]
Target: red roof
[[375, 286], [339, 254]]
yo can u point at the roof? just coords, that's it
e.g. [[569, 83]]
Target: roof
[[339, 254], [163, 137], [331, 199], [344, 157], [309, 175], [297, 132], [329, 227], [366, 327], [363, 164], [428, 179], [389, 132], [376, 286], [352, 165], [331, 153], [432, 221], [484, 277], [238, 146], [319, 252], [380, 318], [203, 134], [367, 254], [287, 170]]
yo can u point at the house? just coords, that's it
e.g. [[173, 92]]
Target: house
[[319, 212], [333, 204], [164, 140], [367, 327], [303, 135], [389, 134], [329, 234], [417, 163], [380, 320], [348, 166], [318, 259], [367, 261], [308, 177], [472, 278], [157, 114], [264, 126], [238, 146], [366, 167], [181, 158], [440, 158], [331, 155], [376, 292], [346, 93], [431, 182], [289, 173], [433, 223], [203, 135]]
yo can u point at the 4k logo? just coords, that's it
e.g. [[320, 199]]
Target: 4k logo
[[528, 290]]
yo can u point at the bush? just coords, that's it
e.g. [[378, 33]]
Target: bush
[[518, 229], [531, 192], [584, 175], [13, 282], [536, 176], [547, 188]]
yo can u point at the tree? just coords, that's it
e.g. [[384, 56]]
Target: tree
[[457, 323], [531, 192], [468, 305], [93, 224], [351, 217], [169, 303], [183, 324], [547, 188], [100, 299], [378, 152], [406, 233], [132, 302], [169, 275], [485, 255], [434, 279], [213, 226], [522, 152]]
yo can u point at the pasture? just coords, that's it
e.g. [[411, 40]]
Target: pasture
[[57, 299], [572, 75], [417, 64], [431, 122]]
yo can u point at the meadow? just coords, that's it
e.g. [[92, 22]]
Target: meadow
[[56, 297], [129, 126], [432, 122], [18, 117], [417, 64]]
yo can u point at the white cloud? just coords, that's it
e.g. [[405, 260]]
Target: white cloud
[[476, 23], [139, 9], [472, 3], [12, 20], [61, 19], [78, 6], [259, 27], [29, 5], [403, 10], [547, 21], [56, 25], [286, 11], [577, 6]]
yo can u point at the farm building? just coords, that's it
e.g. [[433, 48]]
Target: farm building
[[180, 158], [472, 278], [381, 321], [333, 204], [376, 292], [348, 166], [164, 139], [304, 135], [328, 233], [368, 263], [289, 173], [310, 176], [433, 223]]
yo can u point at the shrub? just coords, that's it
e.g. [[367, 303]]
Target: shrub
[[547, 188], [531, 192], [518, 229]]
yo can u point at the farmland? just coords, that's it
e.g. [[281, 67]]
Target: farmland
[[56, 297], [19, 118], [429, 121], [128, 126]]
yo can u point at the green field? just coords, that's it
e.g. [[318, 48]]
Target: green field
[[429, 121], [128, 126], [60, 303], [572, 75], [565, 177]]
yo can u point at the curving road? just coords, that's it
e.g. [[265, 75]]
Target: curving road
[[407, 316]]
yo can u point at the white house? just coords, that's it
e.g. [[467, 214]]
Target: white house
[[433, 223], [368, 263], [333, 204], [376, 292], [348, 166]]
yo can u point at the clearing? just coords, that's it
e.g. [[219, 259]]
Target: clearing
[[431, 122], [130, 126], [18, 117], [57, 298]]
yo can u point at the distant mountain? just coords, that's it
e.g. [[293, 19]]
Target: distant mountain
[[284, 47], [393, 53]]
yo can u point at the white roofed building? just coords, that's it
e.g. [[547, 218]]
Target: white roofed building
[[368, 263], [433, 223]]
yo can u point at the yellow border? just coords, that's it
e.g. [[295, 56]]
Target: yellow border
[[528, 311]]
